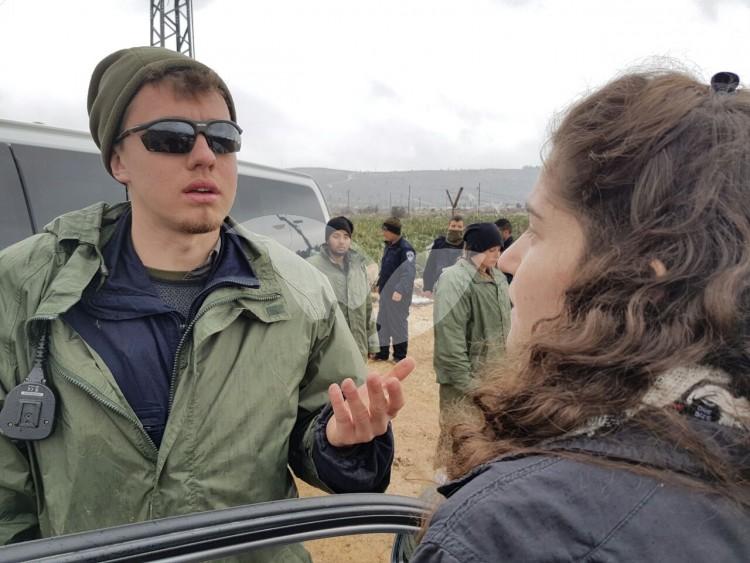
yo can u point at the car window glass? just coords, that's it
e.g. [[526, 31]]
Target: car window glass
[[259, 197]]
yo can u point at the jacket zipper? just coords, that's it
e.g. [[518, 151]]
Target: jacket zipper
[[106, 403], [62, 372], [186, 333]]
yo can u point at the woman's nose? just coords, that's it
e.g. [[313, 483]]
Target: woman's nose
[[511, 258]]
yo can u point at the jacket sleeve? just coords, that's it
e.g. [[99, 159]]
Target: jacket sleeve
[[430, 274], [452, 312], [18, 510], [363, 468], [406, 272]]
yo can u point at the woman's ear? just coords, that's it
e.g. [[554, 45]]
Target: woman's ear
[[660, 270]]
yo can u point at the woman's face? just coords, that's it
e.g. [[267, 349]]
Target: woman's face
[[543, 261]]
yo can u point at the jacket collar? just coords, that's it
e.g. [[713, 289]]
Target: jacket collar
[[84, 234], [352, 257], [80, 235], [127, 292], [476, 277], [325, 250], [631, 444]]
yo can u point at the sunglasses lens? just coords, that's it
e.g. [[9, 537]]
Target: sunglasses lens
[[223, 138], [169, 136]]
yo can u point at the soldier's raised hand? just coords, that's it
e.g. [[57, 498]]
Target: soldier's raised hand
[[361, 414]]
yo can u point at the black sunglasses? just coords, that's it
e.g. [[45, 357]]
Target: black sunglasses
[[177, 136]]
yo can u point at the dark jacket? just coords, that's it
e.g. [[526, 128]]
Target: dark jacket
[[445, 257], [398, 269], [506, 246], [546, 508]]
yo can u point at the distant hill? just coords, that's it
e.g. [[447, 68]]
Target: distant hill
[[498, 188]]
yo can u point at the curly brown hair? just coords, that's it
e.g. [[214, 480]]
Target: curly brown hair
[[656, 167]]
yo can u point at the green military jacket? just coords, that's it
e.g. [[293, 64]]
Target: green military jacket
[[249, 388], [472, 319], [352, 291]]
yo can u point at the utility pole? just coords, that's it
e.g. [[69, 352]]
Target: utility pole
[[408, 203], [173, 18]]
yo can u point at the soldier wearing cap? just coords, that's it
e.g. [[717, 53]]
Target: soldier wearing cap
[[471, 321], [395, 286], [346, 269], [194, 363]]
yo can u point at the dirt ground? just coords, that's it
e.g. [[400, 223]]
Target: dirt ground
[[416, 432]]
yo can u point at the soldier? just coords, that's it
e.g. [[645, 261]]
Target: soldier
[[472, 320], [506, 233], [395, 286], [444, 252], [194, 364], [346, 269]]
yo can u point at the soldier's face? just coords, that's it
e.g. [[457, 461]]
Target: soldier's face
[[388, 236], [181, 193], [339, 242]]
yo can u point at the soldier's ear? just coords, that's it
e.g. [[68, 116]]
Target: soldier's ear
[[119, 169]]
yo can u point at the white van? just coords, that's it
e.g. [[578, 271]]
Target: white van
[[46, 171]]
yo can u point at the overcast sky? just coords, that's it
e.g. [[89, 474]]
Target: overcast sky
[[377, 85]]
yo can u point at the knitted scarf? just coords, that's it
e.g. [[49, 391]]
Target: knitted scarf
[[698, 391]]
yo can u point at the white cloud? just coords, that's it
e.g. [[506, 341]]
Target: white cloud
[[377, 85]]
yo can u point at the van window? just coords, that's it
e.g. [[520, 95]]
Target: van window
[[14, 216], [289, 213], [59, 180], [260, 197]]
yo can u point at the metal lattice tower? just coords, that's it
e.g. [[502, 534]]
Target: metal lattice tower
[[173, 18]]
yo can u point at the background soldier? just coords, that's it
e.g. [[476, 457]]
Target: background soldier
[[444, 252], [346, 269], [395, 285], [506, 233], [472, 321]]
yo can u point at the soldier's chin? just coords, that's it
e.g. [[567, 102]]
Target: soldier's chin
[[199, 227]]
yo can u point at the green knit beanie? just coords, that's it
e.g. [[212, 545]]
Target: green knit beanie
[[117, 79]]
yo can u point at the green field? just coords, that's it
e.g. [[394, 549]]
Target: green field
[[419, 230]]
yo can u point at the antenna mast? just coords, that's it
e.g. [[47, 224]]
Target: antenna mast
[[173, 18]]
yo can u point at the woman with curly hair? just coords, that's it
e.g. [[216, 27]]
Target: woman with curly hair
[[620, 429]]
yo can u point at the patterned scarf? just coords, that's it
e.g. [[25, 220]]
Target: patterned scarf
[[697, 391]]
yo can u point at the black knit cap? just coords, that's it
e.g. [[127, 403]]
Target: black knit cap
[[480, 237], [339, 223], [392, 224]]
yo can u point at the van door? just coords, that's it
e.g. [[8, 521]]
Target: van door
[[60, 180], [15, 223]]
